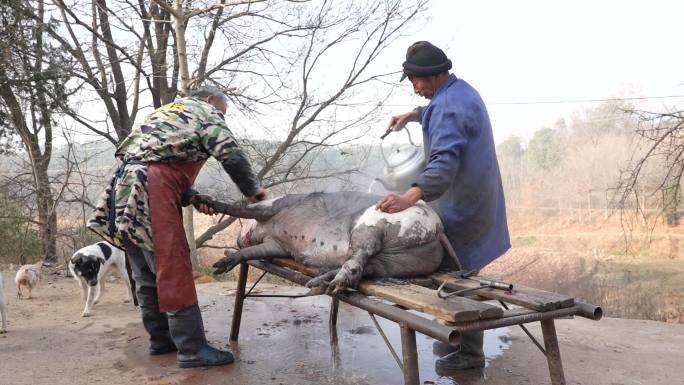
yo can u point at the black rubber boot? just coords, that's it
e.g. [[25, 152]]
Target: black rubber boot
[[187, 332], [157, 325], [441, 349], [155, 322], [468, 355]]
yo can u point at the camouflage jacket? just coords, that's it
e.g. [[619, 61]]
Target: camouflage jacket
[[186, 130]]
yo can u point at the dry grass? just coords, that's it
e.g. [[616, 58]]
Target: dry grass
[[641, 278]]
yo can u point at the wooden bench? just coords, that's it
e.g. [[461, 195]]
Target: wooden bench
[[452, 316]]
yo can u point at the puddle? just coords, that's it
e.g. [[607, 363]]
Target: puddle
[[287, 341]]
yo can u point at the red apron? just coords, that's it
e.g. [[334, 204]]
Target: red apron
[[166, 183]]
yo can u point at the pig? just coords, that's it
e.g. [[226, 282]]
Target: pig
[[341, 232]]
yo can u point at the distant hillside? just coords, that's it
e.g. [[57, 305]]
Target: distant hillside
[[97, 162]]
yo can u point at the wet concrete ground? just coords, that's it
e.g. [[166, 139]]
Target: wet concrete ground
[[287, 341]]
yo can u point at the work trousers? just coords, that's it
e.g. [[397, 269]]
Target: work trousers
[[144, 273]]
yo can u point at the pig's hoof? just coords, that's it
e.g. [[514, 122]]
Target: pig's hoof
[[316, 282], [322, 280], [335, 289], [338, 285], [318, 290], [227, 263]]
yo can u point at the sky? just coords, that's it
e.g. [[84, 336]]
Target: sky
[[533, 62], [537, 52]]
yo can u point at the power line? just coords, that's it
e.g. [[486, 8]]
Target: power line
[[562, 101], [588, 100]]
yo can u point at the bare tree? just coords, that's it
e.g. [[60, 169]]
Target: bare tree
[[656, 168], [324, 114], [591, 148], [32, 87], [293, 68]]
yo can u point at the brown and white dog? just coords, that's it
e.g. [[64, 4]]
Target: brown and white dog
[[28, 275], [90, 265]]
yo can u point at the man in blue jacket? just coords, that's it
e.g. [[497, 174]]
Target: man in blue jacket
[[461, 179]]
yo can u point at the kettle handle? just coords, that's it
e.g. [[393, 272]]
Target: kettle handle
[[409, 137], [382, 152]]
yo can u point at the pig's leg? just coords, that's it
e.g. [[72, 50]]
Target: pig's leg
[[267, 250], [366, 241], [323, 280]]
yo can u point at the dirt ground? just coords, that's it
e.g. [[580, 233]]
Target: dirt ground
[[285, 341]]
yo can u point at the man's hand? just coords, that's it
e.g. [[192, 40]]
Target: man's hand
[[259, 196], [398, 122], [203, 204], [393, 203]]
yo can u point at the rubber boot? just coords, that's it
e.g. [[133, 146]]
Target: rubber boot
[[187, 332], [468, 355], [441, 349], [157, 325], [155, 322]]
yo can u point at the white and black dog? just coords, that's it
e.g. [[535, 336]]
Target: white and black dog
[[90, 266]]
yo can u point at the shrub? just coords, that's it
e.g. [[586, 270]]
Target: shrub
[[21, 242]]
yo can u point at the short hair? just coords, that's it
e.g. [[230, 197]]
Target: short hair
[[205, 91]]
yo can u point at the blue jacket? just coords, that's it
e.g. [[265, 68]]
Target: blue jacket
[[461, 180]]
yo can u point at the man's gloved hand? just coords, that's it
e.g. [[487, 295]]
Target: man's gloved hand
[[186, 196], [203, 203], [260, 195]]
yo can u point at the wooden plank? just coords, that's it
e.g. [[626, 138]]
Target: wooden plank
[[452, 309], [517, 312], [524, 296], [291, 264], [530, 298], [315, 271]]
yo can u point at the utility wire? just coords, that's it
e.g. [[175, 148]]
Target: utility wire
[[561, 101], [588, 100]]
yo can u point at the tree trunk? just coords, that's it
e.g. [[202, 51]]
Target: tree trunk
[[188, 220], [47, 217], [189, 226], [179, 18], [39, 165]]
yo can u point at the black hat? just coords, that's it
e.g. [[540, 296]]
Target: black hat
[[424, 59]]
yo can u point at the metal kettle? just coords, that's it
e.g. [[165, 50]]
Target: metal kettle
[[401, 166]]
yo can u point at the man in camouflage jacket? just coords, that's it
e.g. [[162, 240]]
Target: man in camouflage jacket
[[140, 211]]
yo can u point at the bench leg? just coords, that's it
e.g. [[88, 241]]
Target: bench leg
[[332, 322], [410, 355], [553, 352], [239, 301]]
